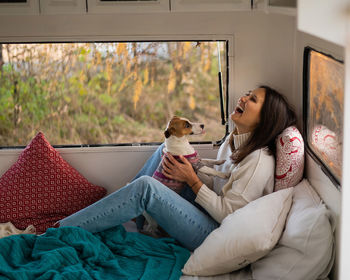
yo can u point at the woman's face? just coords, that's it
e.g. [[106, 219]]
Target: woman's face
[[247, 112]]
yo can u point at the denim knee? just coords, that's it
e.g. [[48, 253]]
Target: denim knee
[[149, 182], [145, 179]]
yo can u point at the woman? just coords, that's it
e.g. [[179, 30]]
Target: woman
[[259, 117]]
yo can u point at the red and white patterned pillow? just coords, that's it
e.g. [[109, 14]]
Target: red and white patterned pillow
[[41, 188], [289, 158]]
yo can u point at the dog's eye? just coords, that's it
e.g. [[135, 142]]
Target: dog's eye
[[187, 125]]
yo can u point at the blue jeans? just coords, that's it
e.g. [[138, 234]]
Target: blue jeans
[[148, 169], [178, 217], [151, 164]]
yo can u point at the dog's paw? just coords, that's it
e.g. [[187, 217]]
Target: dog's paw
[[220, 161], [225, 175]]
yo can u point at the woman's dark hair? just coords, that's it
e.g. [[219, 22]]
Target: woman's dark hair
[[276, 115]]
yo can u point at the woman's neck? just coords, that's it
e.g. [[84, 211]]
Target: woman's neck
[[239, 139], [241, 130]]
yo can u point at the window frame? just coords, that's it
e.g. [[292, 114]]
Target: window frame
[[112, 6], [30, 7], [228, 39], [306, 110]]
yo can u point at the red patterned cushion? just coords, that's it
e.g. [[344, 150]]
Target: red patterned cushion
[[289, 158], [41, 188]]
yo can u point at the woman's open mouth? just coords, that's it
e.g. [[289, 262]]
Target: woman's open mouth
[[239, 109]]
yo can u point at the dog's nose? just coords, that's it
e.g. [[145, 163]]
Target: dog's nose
[[202, 126]]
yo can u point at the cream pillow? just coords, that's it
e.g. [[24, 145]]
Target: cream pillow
[[306, 247], [243, 237]]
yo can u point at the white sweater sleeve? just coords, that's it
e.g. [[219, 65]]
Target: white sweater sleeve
[[252, 178]]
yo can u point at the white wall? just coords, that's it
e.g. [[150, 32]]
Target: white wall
[[324, 19], [110, 167]]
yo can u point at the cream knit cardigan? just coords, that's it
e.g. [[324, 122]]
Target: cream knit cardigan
[[250, 179]]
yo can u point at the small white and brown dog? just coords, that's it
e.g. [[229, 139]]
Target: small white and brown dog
[[176, 143]]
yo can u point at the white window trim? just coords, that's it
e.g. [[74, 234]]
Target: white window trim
[[345, 214], [98, 7]]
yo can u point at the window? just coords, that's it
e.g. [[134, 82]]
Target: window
[[108, 93], [323, 109]]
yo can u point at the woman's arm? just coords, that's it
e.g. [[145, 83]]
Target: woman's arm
[[250, 179]]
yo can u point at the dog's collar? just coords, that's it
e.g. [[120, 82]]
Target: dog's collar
[[186, 156]]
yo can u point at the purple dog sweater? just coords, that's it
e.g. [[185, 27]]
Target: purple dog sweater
[[176, 186]]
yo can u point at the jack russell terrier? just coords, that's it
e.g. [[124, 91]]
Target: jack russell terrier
[[176, 143]]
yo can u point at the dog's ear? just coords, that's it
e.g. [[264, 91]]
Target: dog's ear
[[167, 133]]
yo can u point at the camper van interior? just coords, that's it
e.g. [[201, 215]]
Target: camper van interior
[[87, 88]]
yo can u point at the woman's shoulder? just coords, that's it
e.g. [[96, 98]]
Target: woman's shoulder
[[265, 151]]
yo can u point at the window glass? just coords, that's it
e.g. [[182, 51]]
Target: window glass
[[108, 93], [324, 122]]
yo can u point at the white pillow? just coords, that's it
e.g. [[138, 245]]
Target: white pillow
[[243, 237], [306, 248]]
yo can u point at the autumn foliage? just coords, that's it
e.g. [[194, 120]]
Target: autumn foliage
[[97, 93]]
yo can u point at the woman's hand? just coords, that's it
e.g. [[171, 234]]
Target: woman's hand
[[181, 171]]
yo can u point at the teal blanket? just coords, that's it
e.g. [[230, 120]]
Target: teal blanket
[[73, 253]]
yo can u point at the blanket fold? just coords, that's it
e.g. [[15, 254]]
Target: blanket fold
[[74, 253]]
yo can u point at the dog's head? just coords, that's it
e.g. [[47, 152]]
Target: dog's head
[[180, 127]]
